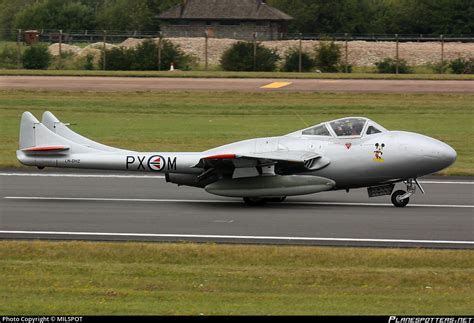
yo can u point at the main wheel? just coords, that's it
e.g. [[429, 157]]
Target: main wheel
[[276, 199], [254, 201], [396, 199]]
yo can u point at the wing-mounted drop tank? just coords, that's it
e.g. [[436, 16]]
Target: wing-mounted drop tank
[[270, 186]]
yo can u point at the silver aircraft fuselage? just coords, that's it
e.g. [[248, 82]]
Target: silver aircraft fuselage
[[341, 154], [353, 162]]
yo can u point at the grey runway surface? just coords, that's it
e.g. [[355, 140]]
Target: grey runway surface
[[112, 84], [91, 206]]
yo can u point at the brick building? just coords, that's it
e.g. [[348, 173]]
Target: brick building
[[238, 19]]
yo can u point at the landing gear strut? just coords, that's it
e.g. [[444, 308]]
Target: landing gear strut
[[255, 201], [401, 198], [260, 201]]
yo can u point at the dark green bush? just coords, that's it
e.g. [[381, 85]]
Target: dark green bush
[[462, 66], [171, 53], [144, 57], [292, 59], [36, 57], [9, 57], [240, 57], [328, 57], [389, 66], [118, 59]]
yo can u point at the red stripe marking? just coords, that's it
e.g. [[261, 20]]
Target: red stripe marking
[[47, 148], [223, 156]]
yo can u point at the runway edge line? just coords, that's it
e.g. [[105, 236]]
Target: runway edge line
[[235, 237]]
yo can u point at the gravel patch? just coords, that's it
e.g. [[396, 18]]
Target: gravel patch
[[360, 53]]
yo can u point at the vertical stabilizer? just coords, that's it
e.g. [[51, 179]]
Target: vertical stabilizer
[[27, 130], [61, 129], [34, 136]]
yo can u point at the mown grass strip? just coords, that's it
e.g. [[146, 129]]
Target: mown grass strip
[[144, 278]]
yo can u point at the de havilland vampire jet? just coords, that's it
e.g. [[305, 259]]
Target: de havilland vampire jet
[[341, 154]]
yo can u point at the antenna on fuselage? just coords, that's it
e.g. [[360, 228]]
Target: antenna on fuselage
[[302, 120]]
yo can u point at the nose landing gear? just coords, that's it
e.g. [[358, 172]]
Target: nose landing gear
[[401, 198], [397, 198]]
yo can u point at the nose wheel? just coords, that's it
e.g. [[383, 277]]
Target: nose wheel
[[397, 198], [401, 198]]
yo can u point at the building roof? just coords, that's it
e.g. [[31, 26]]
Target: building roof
[[224, 9]]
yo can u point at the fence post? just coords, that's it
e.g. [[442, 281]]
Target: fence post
[[60, 48], [160, 37], [206, 44], [300, 56], [254, 52], [442, 53], [104, 55], [18, 51], [346, 65], [396, 54]]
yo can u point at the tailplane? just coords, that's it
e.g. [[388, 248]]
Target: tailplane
[[39, 143]]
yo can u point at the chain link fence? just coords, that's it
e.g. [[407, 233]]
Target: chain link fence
[[82, 49]]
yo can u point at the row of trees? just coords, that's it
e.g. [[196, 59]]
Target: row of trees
[[380, 16], [82, 14], [311, 16]]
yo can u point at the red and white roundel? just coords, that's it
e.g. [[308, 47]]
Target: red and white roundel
[[156, 163]]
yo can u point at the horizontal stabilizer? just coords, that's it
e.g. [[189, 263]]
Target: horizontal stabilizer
[[46, 149]]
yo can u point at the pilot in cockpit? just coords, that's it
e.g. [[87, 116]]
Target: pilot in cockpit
[[357, 128]]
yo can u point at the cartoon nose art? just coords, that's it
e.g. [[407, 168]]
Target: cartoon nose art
[[379, 152]]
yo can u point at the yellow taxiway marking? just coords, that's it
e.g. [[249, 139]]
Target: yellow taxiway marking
[[275, 85]]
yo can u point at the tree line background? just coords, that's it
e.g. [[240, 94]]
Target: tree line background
[[311, 16]]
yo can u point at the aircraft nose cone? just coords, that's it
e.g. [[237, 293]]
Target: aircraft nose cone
[[446, 153], [439, 151], [428, 154]]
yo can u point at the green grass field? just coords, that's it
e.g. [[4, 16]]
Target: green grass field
[[222, 74], [195, 121], [70, 278]]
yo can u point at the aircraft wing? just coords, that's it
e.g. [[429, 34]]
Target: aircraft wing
[[254, 164], [262, 158], [281, 155]]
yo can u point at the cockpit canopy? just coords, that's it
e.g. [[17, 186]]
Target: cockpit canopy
[[346, 127]]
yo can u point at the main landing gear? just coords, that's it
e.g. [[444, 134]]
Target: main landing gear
[[260, 201], [401, 198]]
